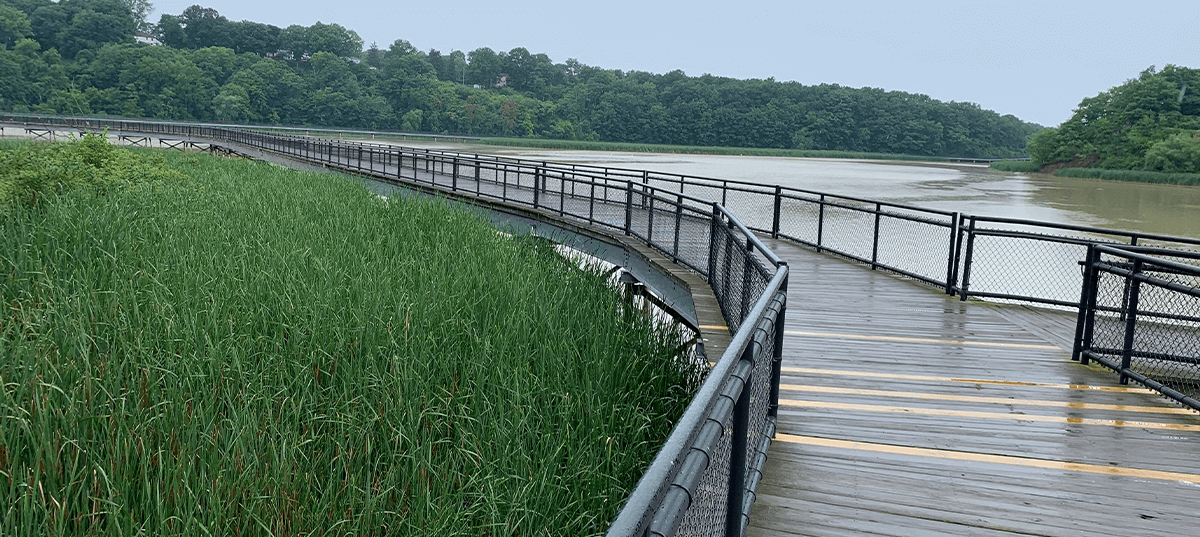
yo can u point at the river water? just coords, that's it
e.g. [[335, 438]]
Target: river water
[[966, 188]]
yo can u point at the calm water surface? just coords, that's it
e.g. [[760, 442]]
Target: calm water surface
[[972, 189]]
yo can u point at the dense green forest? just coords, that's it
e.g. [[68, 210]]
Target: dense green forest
[[1149, 123], [77, 57]]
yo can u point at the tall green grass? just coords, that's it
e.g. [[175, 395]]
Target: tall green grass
[[1137, 176], [260, 351], [1019, 166]]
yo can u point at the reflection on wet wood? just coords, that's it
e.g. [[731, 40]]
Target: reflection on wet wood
[[912, 413]]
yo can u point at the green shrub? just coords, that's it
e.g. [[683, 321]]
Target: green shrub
[[31, 171], [1022, 166], [1177, 154], [1137, 176]]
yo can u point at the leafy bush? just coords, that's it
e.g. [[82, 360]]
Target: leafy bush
[[31, 171], [1137, 176], [1177, 154], [1022, 166]]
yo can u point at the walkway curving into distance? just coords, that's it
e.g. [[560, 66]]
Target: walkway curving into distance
[[907, 412], [904, 411]]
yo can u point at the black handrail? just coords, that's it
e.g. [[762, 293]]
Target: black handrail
[[1139, 315]]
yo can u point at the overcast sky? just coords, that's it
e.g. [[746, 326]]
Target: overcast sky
[[1035, 60]]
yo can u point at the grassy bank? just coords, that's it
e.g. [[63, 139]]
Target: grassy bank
[[1020, 166], [260, 351], [1137, 176]]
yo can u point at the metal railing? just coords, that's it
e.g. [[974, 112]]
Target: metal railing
[[1140, 317], [704, 478]]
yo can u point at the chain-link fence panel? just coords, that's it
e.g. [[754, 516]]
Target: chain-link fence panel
[[1026, 267], [1143, 319]]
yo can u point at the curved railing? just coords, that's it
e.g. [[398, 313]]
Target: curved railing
[[690, 488], [703, 480]]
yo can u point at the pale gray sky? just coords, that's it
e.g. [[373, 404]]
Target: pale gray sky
[[1035, 60]]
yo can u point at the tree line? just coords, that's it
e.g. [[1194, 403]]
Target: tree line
[[77, 57], [1149, 123]]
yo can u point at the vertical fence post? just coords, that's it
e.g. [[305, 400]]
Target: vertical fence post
[[1087, 304], [678, 224], [821, 224], [737, 453], [952, 263], [966, 276], [875, 238], [746, 264], [778, 203], [650, 222], [712, 244], [628, 207], [537, 181], [777, 354], [454, 175], [1135, 287]]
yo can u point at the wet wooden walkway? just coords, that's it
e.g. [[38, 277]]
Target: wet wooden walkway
[[906, 412]]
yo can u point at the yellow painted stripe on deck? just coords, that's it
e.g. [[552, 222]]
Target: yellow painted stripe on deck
[[986, 400], [923, 340], [906, 339], [971, 414], [987, 458], [928, 378]]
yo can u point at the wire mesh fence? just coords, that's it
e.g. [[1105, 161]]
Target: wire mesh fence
[[691, 220], [1140, 316]]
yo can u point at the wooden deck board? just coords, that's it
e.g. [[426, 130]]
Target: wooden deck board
[[885, 351]]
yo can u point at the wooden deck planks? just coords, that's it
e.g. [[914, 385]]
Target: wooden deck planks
[[881, 352]]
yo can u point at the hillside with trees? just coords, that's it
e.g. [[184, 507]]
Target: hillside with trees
[[76, 57], [1150, 123]]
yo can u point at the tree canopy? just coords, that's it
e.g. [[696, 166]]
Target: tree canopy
[[76, 57], [1148, 123]]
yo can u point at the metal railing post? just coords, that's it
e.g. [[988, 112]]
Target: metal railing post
[[454, 176], [1130, 320], [737, 453], [678, 224], [966, 277], [628, 207], [537, 180], [712, 243], [952, 263], [875, 238], [777, 352], [778, 203], [821, 224], [1087, 304]]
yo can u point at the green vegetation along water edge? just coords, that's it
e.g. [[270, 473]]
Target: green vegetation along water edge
[[209, 68], [235, 348], [1145, 130]]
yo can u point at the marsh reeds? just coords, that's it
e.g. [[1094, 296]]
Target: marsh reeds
[[260, 351]]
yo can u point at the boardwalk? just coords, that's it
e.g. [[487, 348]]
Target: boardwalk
[[906, 412]]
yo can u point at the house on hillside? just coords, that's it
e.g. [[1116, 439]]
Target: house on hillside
[[502, 81], [146, 38]]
